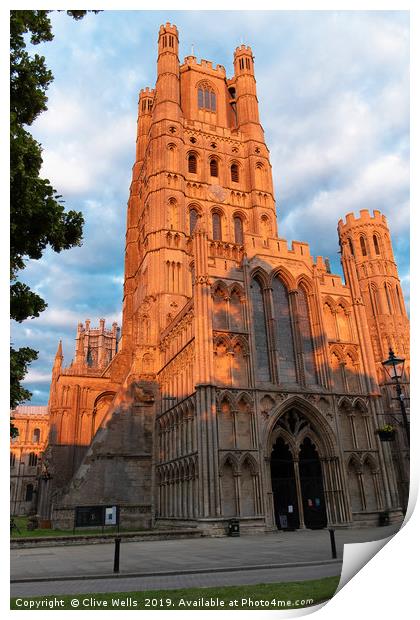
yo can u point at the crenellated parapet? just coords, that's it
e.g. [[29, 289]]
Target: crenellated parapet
[[203, 65]]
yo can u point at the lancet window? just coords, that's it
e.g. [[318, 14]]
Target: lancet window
[[206, 98]]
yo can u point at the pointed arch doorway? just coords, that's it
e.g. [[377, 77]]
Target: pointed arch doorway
[[296, 475]]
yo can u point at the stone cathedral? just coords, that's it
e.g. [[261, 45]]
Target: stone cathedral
[[246, 380]]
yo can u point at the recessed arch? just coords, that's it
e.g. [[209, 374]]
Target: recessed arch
[[221, 286], [312, 414], [259, 274], [285, 276], [338, 351], [371, 461], [360, 405], [355, 462], [305, 283], [229, 459], [248, 458], [236, 288], [344, 404], [242, 342]]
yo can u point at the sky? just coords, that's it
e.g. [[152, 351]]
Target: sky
[[333, 90]]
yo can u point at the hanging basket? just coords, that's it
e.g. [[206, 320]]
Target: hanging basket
[[386, 435]]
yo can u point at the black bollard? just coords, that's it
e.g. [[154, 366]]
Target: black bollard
[[117, 555], [333, 547]]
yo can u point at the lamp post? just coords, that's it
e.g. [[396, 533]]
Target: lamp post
[[394, 367]]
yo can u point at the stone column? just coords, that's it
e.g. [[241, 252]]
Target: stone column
[[299, 493]]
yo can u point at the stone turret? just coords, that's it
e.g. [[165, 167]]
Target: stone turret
[[167, 84], [367, 249], [95, 347]]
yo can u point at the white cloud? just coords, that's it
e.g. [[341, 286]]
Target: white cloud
[[84, 162], [35, 376]]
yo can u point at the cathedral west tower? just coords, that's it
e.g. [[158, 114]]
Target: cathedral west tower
[[245, 383]]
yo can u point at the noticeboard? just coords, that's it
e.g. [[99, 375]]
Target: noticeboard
[[111, 515], [94, 516]]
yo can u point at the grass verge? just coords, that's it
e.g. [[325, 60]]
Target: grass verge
[[286, 595], [22, 524]]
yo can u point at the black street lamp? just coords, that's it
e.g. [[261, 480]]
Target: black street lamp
[[394, 367]]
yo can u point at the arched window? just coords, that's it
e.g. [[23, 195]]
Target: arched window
[[262, 369], [33, 459], [400, 305], [193, 220], [283, 333], [376, 245], [238, 229], [306, 337], [363, 246], [217, 226], [12, 459], [214, 168], [192, 163], [234, 173], [89, 357], [351, 247], [36, 435], [206, 98], [29, 492], [388, 298], [374, 301]]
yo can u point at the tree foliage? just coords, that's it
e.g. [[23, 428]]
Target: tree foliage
[[37, 215]]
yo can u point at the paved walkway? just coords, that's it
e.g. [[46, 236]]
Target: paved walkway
[[273, 557]]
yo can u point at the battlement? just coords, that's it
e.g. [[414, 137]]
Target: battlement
[[146, 97], [300, 248], [96, 331], [243, 49], [146, 92], [168, 28], [207, 65], [364, 218]]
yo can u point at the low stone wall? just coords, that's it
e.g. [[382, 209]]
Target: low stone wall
[[93, 539], [216, 527]]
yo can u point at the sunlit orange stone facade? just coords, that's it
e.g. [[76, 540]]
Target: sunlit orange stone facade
[[247, 381]]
